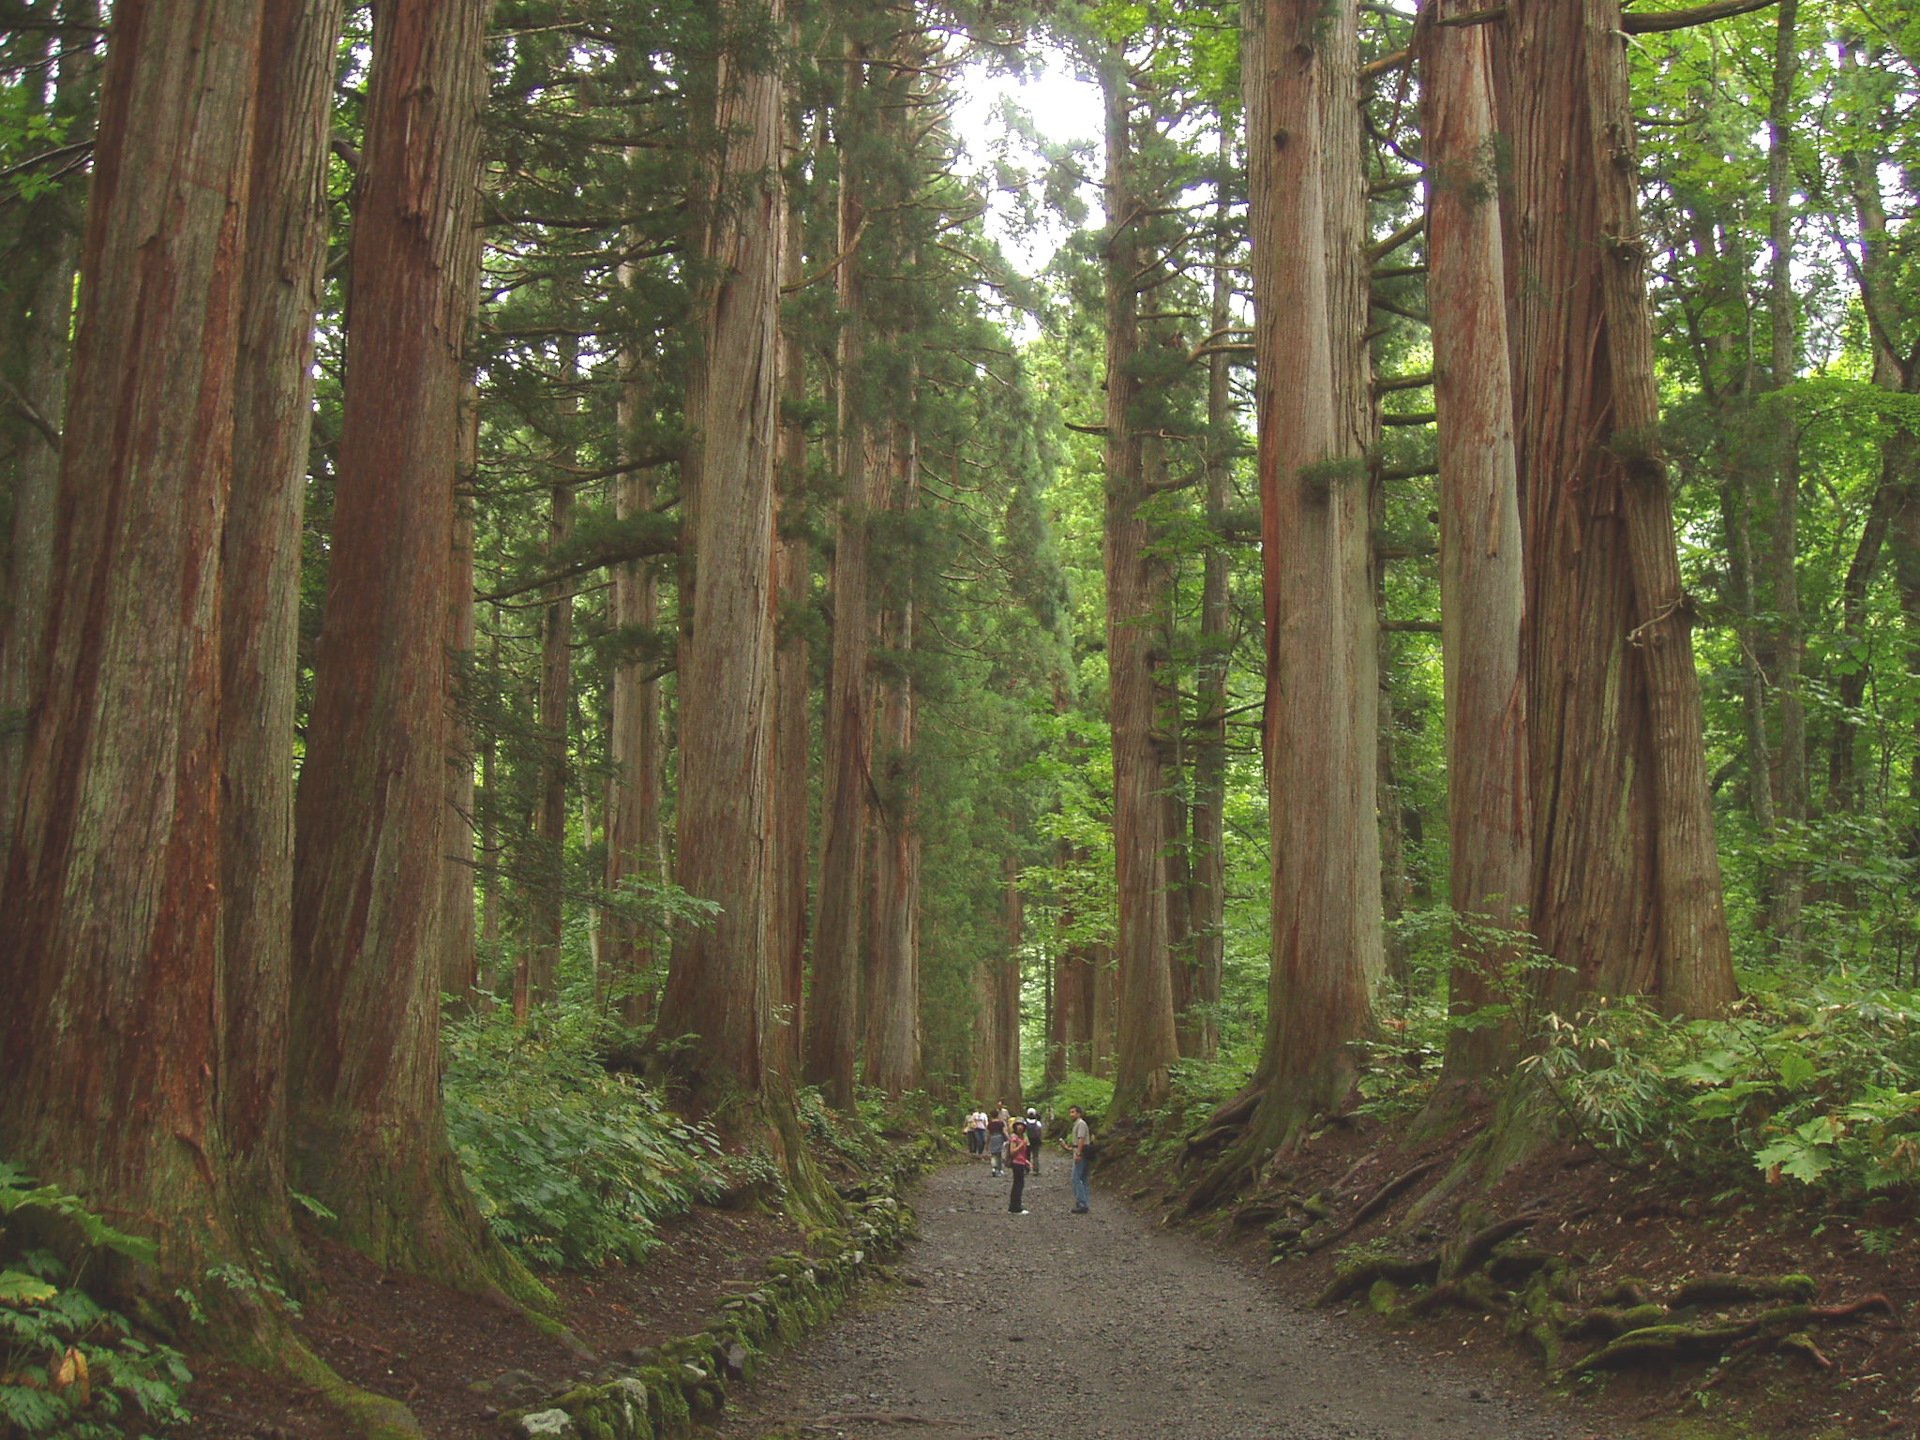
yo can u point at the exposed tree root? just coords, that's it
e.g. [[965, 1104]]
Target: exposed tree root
[[1373, 1204], [1739, 1289]]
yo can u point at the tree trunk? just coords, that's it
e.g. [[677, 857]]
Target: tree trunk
[[459, 964], [369, 1135], [635, 853], [892, 1058], [1789, 638], [537, 978], [1207, 895], [793, 719], [114, 1029], [1307, 207], [36, 314], [720, 985], [1146, 1044], [832, 1030], [1628, 894], [1899, 462], [1482, 584]]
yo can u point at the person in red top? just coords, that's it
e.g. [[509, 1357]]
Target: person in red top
[[1020, 1157]]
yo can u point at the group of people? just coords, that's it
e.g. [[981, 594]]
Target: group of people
[[1012, 1143]]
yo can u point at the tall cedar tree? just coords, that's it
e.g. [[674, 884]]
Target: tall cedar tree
[[719, 984], [369, 1138], [1137, 582], [260, 583], [1310, 269], [833, 1018], [1482, 584], [113, 1038], [1627, 893]]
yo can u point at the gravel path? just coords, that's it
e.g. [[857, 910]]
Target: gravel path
[[1103, 1327]]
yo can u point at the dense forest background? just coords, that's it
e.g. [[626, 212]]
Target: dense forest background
[[558, 543]]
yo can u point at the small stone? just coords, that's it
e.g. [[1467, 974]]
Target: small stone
[[547, 1425]]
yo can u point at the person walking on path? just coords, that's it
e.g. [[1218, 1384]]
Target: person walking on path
[[976, 1132], [997, 1136], [1080, 1136], [1020, 1157], [1036, 1132]]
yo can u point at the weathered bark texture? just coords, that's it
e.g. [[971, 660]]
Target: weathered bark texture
[[1312, 397], [112, 1036], [1627, 890], [1137, 581], [832, 1020], [369, 1139], [719, 984], [1482, 584], [260, 581], [40, 252], [892, 1048]]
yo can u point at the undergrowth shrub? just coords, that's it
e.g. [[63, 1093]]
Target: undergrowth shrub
[[70, 1367], [1815, 1085], [572, 1164]]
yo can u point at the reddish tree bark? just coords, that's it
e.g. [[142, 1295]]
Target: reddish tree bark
[[892, 1048], [1146, 1044], [832, 1021], [719, 985], [1482, 582], [1627, 891], [1312, 392], [260, 583], [369, 1139], [113, 1032]]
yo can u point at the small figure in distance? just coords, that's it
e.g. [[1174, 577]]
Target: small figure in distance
[[1020, 1157], [1079, 1137], [997, 1136], [1036, 1132], [976, 1132]]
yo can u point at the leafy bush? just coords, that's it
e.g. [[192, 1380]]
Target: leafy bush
[[69, 1367], [1817, 1087], [1091, 1093], [572, 1165]]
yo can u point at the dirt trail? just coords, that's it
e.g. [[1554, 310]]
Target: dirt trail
[[1103, 1327]]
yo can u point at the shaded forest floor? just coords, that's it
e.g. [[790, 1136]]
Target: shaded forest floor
[[457, 1361], [1567, 1235]]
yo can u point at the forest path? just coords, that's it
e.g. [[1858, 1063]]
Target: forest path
[[1072, 1327]]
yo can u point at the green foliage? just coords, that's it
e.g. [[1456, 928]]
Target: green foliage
[[1092, 1093], [572, 1164], [70, 1367], [1819, 1087]]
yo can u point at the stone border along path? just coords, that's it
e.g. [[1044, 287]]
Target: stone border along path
[[1058, 1326]]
